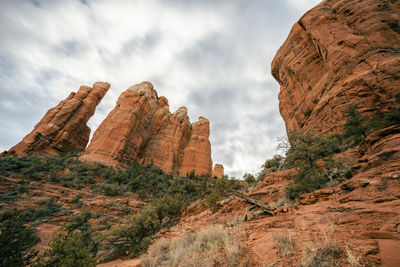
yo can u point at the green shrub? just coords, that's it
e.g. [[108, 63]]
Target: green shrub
[[274, 164], [134, 236], [16, 240], [212, 200], [355, 128], [67, 250], [74, 247], [249, 178], [40, 213], [169, 207], [305, 151]]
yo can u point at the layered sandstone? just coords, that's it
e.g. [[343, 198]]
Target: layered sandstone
[[218, 171], [142, 129], [340, 53], [63, 128]]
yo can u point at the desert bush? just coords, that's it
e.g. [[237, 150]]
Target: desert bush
[[325, 256], [72, 246], [67, 250], [16, 240], [134, 235], [285, 244], [9, 196], [109, 189], [306, 150], [323, 251], [274, 164], [357, 127], [212, 200], [249, 178], [38, 214], [213, 246], [76, 198]]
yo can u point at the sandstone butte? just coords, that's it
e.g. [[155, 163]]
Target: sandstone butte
[[142, 129], [218, 171], [340, 53], [63, 128]]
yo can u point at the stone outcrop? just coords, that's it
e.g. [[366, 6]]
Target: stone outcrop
[[141, 129], [340, 53], [197, 153], [63, 128], [218, 171]]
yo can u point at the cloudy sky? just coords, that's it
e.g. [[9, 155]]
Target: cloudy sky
[[211, 56]]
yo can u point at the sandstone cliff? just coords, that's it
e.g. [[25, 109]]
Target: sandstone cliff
[[141, 129], [340, 53], [218, 171], [63, 128]]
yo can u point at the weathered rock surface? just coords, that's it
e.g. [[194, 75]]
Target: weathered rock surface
[[141, 129], [340, 53], [63, 128], [218, 170], [197, 153]]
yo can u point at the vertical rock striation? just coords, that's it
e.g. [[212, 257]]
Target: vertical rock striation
[[63, 128], [141, 129], [218, 171], [340, 53]]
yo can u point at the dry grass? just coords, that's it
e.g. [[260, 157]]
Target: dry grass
[[213, 246], [323, 251], [285, 244], [353, 258]]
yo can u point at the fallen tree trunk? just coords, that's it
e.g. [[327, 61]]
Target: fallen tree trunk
[[253, 201]]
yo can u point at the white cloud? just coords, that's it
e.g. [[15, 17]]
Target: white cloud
[[211, 56]]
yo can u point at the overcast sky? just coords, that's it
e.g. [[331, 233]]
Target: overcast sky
[[211, 56]]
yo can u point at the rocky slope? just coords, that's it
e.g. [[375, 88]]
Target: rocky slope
[[142, 129], [63, 128], [358, 217], [340, 53]]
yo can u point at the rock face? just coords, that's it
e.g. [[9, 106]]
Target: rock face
[[340, 53], [141, 129], [63, 128], [218, 171]]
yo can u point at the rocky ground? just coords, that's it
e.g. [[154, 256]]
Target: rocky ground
[[357, 220]]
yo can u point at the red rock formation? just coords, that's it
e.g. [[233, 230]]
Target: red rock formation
[[218, 171], [340, 53], [197, 154], [63, 128], [142, 129]]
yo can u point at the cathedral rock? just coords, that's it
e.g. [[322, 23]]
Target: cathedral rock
[[142, 129]]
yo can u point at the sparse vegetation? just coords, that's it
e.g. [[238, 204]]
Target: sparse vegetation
[[38, 214], [353, 258], [324, 251], [357, 127], [213, 246], [285, 244]]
